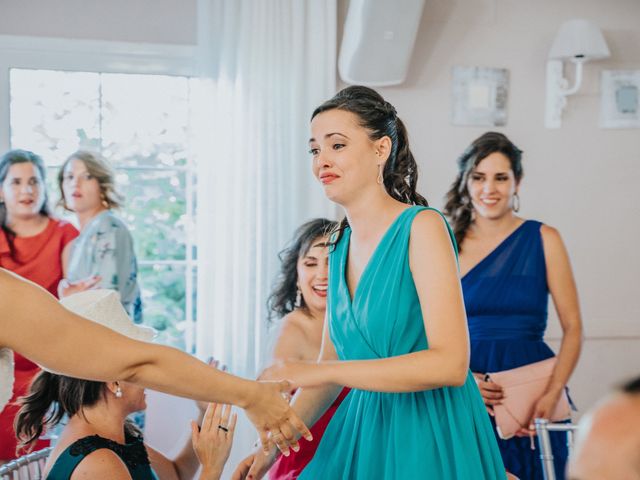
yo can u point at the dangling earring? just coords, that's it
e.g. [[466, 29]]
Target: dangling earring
[[104, 202], [298, 297], [516, 202], [118, 393], [380, 179]]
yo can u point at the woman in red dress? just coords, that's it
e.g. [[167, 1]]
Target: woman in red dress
[[32, 244]]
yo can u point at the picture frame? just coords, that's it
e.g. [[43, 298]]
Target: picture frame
[[620, 99], [479, 96]]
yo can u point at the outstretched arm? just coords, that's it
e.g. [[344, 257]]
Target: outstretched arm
[[34, 324]]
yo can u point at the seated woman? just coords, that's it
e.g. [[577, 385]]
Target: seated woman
[[300, 298], [103, 255], [98, 441]]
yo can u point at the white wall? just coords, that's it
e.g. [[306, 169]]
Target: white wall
[[146, 21], [581, 179]]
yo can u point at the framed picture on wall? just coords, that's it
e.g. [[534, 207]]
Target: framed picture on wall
[[620, 99], [479, 96]]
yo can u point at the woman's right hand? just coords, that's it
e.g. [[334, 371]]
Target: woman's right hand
[[66, 288], [274, 419], [255, 466], [213, 439], [492, 393]]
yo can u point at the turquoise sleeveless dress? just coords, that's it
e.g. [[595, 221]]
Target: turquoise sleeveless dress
[[442, 433], [133, 454]]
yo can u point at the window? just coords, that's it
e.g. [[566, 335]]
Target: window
[[141, 124]]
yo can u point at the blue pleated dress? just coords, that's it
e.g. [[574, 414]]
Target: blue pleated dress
[[506, 297], [442, 433]]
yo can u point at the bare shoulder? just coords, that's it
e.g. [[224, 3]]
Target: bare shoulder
[[430, 243], [293, 324], [102, 463], [551, 239], [293, 339], [428, 222], [550, 233]]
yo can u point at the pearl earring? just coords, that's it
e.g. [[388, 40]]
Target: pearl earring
[[118, 392]]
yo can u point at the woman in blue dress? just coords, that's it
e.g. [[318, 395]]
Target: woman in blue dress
[[509, 266], [397, 332]]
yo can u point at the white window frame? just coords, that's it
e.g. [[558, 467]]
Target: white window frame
[[79, 55]]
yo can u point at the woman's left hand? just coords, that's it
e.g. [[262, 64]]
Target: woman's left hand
[[543, 408], [300, 374], [212, 441]]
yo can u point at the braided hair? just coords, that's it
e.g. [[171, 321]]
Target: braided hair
[[458, 206], [380, 119]]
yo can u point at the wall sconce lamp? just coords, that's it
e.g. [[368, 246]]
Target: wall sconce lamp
[[577, 41]]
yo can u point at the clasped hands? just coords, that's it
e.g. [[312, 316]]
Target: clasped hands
[[293, 374], [269, 411], [281, 378]]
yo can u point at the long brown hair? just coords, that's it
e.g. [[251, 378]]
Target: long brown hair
[[458, 203], [379, 117]]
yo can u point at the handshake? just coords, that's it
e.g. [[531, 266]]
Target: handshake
[[274, 435]]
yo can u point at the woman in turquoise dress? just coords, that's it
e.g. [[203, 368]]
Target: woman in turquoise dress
[[510, 266], [397, 332]]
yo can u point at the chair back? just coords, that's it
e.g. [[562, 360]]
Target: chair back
[[543, 427], [28, 467]]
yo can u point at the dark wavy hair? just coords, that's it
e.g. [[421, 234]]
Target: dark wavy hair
[[13, 157], [458, 203], [283, 297], [380, 119], [51, 397]]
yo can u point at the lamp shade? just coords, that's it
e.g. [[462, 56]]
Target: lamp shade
[[579, 38]]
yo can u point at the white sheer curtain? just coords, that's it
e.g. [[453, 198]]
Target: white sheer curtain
[[268, 63]]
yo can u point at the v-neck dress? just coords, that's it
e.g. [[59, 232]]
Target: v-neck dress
[[506, 297], [443, 433]]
